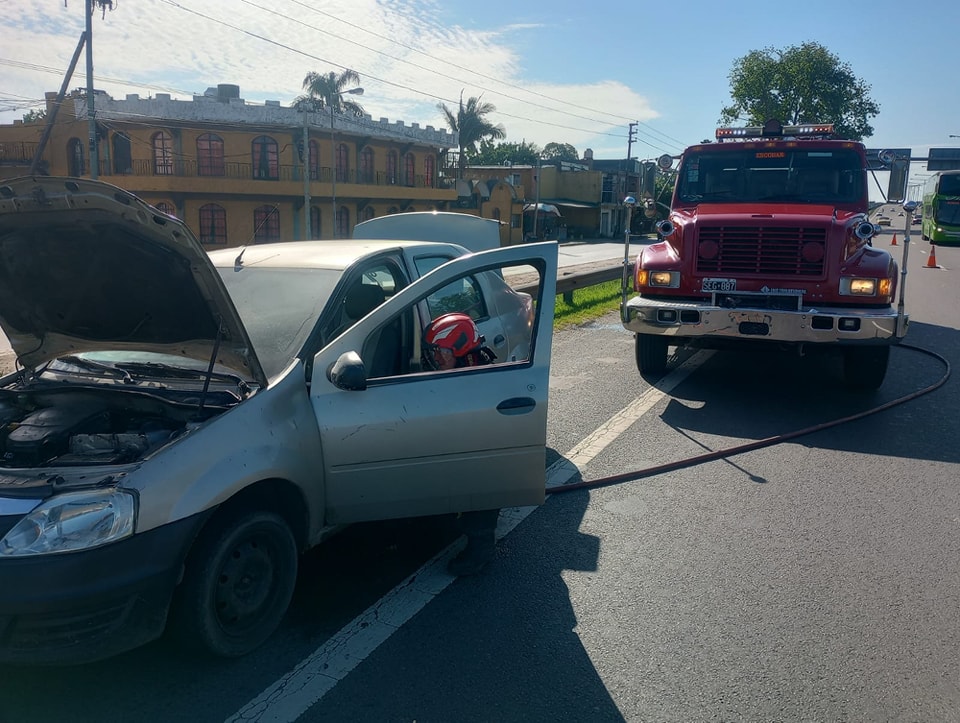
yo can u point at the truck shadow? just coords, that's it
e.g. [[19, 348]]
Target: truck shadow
[[755, 395]]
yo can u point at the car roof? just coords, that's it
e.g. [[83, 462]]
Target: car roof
[[320, 254]]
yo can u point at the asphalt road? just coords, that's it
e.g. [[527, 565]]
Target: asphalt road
[[810, 580]]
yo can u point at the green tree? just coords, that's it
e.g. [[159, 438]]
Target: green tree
[[560, 152], [800, 84], [327, 90], [34, 115], [496, 154], [471, 126]]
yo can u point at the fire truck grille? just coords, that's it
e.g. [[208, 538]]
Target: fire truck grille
[[761, 250]]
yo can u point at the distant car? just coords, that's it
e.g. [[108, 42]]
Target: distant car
[[183, 425], [883, 221], [916, 220]]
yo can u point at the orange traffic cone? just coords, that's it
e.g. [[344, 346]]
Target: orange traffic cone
[[932, 258], [894, 242]]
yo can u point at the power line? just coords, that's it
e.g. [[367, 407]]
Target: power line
[[439, 60], [384, 81]]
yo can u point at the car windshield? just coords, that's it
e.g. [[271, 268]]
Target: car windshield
[[279, 307], [773, 175]]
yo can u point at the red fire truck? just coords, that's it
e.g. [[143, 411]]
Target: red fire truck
[[769, 242]]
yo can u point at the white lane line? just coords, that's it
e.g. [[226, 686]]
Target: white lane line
[[314, 676]]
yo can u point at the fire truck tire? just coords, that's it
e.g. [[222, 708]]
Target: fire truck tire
[[864, 367], [651, 353]]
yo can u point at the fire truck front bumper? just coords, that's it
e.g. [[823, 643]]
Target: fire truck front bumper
[[814, 325]]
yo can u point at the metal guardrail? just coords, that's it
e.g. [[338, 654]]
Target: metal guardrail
[[575, 277]]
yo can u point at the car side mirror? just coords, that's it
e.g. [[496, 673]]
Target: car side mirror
[[348, 372]]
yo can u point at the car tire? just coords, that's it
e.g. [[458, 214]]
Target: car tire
[[651, 353], [864, 367], [237, 585]]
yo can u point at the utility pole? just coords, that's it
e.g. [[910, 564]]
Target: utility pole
[[305, 157], [91, 101], [631, 137]]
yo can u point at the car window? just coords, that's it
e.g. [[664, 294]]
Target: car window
[[464, 295], [400, 346], [369, 287]]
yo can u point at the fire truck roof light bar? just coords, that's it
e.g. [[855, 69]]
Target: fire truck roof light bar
[[773, 129]]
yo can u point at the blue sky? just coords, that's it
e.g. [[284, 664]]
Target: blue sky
[[567, 72]]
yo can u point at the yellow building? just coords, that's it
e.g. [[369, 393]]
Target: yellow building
[[236, 172], [571, 188]]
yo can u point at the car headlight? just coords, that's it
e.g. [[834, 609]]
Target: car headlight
[[72, 521]]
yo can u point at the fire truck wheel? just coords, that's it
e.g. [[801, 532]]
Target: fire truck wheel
[[864, 367], [651, 353]]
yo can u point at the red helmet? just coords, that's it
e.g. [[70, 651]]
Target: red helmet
[[455, 332]]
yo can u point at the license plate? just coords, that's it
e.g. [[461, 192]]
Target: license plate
[[719, 285]]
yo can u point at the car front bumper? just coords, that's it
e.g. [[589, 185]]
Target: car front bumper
[[83, 606], [691, 320]]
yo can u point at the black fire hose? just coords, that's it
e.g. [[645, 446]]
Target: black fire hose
[[759, 444]]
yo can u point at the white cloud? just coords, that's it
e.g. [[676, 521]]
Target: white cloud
[[408, 61]]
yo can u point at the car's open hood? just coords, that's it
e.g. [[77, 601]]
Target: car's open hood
[[87, 266]]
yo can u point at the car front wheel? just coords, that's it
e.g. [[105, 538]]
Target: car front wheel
[[237, 585]]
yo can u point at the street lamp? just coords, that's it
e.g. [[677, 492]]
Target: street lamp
[[333, 146]]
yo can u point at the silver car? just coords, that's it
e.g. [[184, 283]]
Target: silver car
[[182, 426]]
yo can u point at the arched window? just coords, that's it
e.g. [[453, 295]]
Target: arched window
[[368, 213], [314, 222], [343, 163], [266, 224], [314, 162], [213, 224], [409, 170], [122, 158], [343, 222], [366, 165], [266, 158], [392, 168], [165, 207], [162, 143], [75, 163], [210, 155], [429, 171], [393, 210]]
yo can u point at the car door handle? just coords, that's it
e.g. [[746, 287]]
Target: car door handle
[[516, 405], [499, 339]]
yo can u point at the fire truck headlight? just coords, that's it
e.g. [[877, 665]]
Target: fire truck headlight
[[850, 286], [885, 287], [666, 279]]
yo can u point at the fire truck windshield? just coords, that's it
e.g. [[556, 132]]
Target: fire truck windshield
[[773, 175]]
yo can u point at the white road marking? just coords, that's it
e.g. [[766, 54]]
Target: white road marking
[[314, 676]]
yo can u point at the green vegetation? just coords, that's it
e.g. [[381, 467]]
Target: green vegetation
[[800, 84], [589, 303]]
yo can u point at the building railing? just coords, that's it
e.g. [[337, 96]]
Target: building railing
[[187, 168], [17, 152]]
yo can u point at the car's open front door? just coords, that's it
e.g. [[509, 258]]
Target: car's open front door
[[431, 442]]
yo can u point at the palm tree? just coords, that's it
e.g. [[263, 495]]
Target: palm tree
[[327, 90], [471, 126]]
